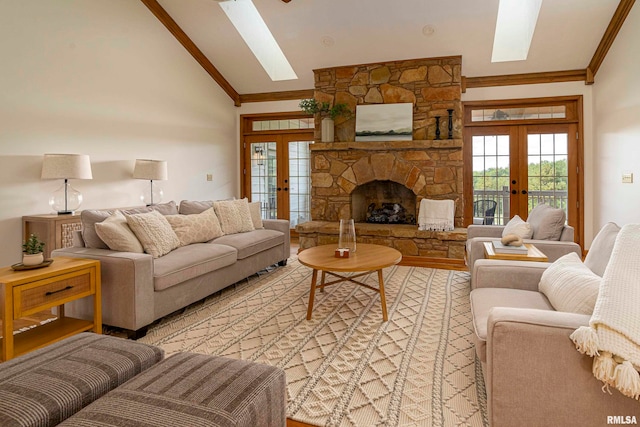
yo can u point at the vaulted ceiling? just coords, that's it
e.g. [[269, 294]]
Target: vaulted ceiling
[[327, 33]]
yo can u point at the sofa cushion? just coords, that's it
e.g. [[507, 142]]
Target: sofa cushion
[[518, 227], [115, 232], [234, 215], [570, 286], [484, 299], [190, 261], [190, 207], [546, 222], [48, 385], [196, 228], [189, 389], [256, 215], [89, 217], [154, 232], [253, 242], [600, 251]]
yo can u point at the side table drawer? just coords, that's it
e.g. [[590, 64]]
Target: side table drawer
[[42, 294]]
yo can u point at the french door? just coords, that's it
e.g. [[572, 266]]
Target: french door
[[277, 174], [516, 168], [521, 153], [519, 167]]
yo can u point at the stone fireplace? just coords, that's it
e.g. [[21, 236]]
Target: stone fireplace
[[360, 180]]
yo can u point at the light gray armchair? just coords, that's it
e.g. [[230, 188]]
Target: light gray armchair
[[550, 234], [533, 373]]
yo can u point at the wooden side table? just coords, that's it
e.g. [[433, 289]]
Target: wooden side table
[[56, 231], [23, 293]]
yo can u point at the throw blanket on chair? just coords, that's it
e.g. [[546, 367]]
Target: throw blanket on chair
[[613, 334], [436, 215]]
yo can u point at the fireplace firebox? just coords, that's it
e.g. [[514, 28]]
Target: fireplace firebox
[[383, 202]]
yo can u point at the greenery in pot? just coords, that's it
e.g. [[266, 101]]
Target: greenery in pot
[[312, 106], [33, 246]]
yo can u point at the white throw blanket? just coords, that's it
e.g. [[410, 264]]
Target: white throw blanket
[[436, 215], [613, 334]]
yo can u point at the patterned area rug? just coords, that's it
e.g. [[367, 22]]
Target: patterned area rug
[[346, 367]]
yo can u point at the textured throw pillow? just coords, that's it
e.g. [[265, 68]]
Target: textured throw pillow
[[115, 232], [601, 248], [518, 227], [256, 215], [570, 286], [234, 216], [546, 222], [154, 232], [195, 228]]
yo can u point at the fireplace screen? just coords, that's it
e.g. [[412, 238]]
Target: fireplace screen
[[384, 202]]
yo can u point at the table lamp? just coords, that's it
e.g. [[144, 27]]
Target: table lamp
[[66, 199], [151, 170]]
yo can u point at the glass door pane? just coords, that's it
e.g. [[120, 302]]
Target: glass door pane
[[264, 168], [548, 176], [491, 175], [299, 182]]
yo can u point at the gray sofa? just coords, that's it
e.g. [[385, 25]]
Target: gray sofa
[[138, 289], [533, 373], [98, 380]]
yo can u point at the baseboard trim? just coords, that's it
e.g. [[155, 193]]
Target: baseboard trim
[[432, 262]]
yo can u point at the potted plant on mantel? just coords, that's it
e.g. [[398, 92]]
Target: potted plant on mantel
[[32, 251], [312, 106]]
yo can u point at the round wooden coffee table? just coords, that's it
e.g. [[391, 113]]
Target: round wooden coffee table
[[365, 259]]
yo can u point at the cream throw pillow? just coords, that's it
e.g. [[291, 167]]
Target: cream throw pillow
[[115, 232], [601, 248], [518, 227], [154, 232], [234, 216], [570, 286], [195, 228], [256, 215]]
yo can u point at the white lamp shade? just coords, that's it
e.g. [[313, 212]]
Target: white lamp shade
[[150, 169], [66, 166]]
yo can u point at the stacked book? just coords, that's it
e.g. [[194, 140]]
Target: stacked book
[[499, 248]]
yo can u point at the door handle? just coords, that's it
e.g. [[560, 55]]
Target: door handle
[[524, 191], [514, 192], [286, 188], [279, 189]]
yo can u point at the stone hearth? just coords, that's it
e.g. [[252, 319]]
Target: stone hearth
[[410, 241]]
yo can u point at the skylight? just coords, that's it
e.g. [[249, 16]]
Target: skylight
[[247, 20], [514, 29]]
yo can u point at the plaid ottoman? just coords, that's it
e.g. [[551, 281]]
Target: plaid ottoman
[[46, 386], [190, 389]]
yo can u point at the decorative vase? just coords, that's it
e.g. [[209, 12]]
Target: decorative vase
[[32, 259], [347, 236], [327, 130], [450, 127], [437, 127]]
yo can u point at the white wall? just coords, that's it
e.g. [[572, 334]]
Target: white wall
[[104, 78], [617, 129], [557, 89]]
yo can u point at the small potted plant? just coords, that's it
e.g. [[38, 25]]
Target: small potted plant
[[312, 106], [32, 251]]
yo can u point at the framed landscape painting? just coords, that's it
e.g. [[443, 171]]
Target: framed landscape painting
[[384, 122]]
